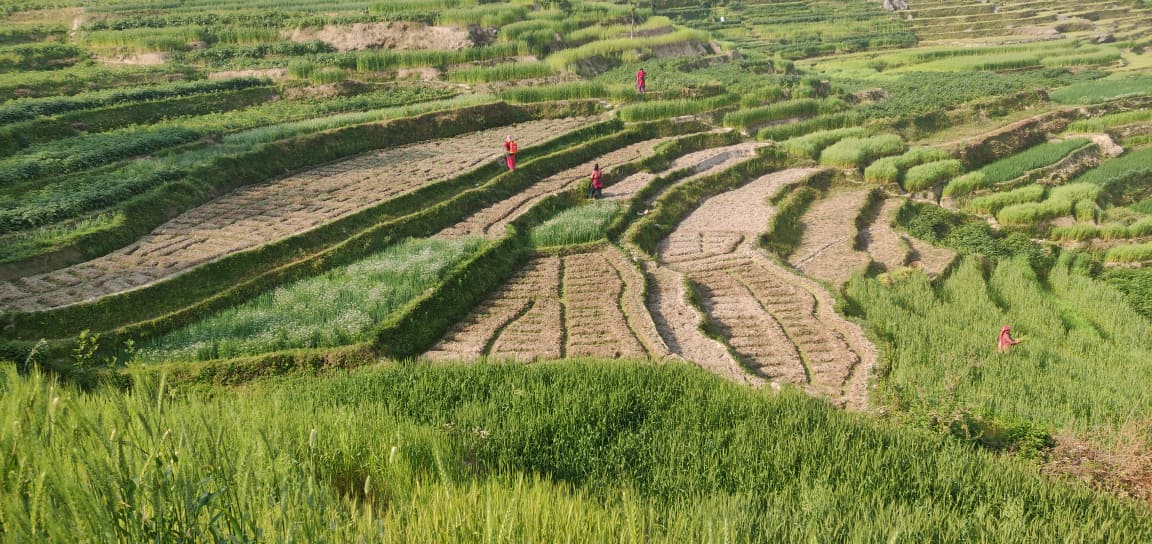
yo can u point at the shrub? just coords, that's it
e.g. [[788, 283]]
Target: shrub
[[891, 169], [1078, 232]]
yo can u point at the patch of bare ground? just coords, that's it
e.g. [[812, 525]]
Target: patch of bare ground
[[827, 247], [397, 35], [883, 244], [491, 220], [781, 326], [1124, 469], [258, 214], [136, 59], [586, 304], [930, 259], [274, 74], [701, 162]]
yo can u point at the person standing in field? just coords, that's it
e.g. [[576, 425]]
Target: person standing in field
[[597, 182], [510, 149], [1006, 341], [640, 81]]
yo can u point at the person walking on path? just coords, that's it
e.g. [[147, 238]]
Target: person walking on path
[[597, 182], [640, 83], [1006, 341], [510, 149]]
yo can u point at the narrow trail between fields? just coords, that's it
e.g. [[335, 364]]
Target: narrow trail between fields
[[258, 214], [776, 323]]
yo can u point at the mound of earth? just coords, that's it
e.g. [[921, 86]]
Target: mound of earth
[[387, 35]]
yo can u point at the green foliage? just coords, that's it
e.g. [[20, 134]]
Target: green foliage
[[1014, 166], [786, 229], [1061, 201], [993, 203], [1130, 253], [508, 71], [925, 176], [1110, 121], [809, 146], [39, 56], [969, 235], [1133, 165], [665, 109], [1083, 346], [618, 47], [892, 169], [336, 308], [845, 119], [577, 225], [852, 152], [747, 119], [907, 96], [424, 450], [562, 91], [378, 60], [1103, 90], [1136, 284]]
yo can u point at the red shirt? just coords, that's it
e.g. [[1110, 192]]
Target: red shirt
[[597, 179], [640, 76]]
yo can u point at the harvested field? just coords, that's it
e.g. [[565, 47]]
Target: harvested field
[[491, 220], [586, 304], [827, 249], [884, 245], [254, 215], [701, 162], [779, 325]]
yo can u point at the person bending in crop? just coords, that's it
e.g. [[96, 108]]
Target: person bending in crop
[[510, 149], [640, 81], [1006, 341], [597, 182]]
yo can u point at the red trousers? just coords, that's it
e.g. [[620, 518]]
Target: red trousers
[[511, 159]]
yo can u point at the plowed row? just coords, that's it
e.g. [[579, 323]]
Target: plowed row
[[781, 326], [826, 250], [588, 304], [254, 215]]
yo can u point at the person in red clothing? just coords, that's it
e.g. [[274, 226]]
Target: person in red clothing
[[510, 149], [640, 83], [597, 182], [1006, 341]]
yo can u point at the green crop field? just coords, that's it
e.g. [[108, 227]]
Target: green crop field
[[275, 271]]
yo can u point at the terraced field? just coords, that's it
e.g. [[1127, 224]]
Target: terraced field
[[586, 304], [259, 214], [778, 324]]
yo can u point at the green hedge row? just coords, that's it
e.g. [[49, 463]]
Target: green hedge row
[[245, 274], [679, 201]]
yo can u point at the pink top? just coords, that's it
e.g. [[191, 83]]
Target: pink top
[[597, 179], [1006, 339]]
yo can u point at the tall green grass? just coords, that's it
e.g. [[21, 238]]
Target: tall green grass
[[578, 225], [1103, 123], [576, 451], [809, 146], [1103, 90], [892, 169], [747, 119], [508, 71], [564, 59], [925, 176], [1014, 166], [1130, 253], [337, 308], [1081, 366], [994, 202], [1133, 165], [1062, 201], [855, 152], [664, 109]]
